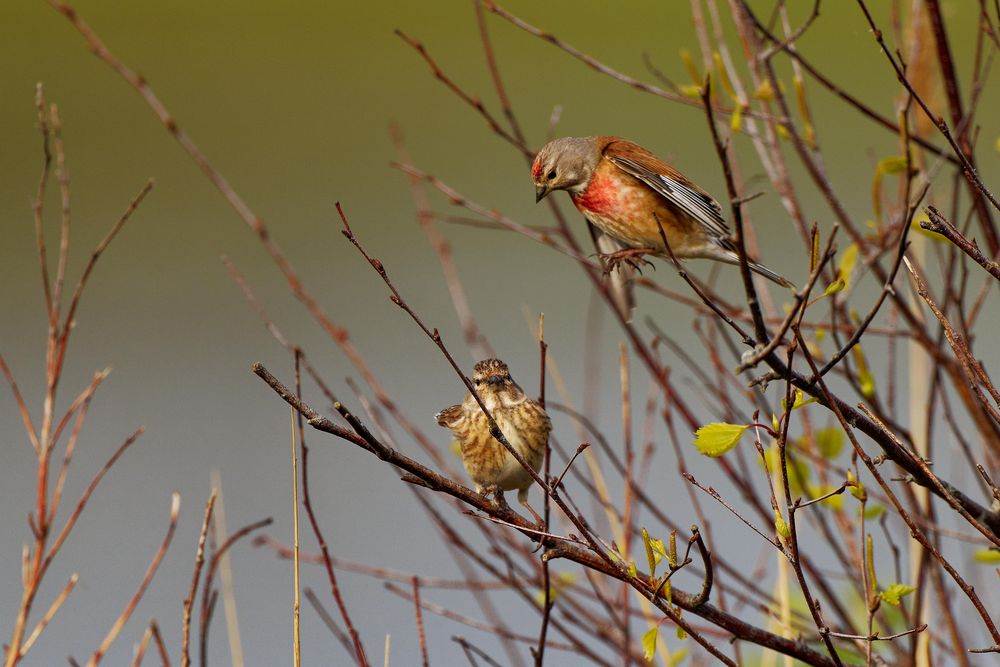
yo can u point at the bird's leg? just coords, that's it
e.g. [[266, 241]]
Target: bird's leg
[[538, 520], [631, 256], [497, 493], [522, 498]]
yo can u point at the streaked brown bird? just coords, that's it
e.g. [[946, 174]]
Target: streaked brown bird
[[522, 420], [626, 192]]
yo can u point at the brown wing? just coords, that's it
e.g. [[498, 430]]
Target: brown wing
[[673, 185], [450, 417], [543, 417]]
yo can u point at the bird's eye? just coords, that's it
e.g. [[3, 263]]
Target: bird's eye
[[478, 381], [551, 174]]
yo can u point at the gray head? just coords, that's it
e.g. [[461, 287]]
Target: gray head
[[565, 164]]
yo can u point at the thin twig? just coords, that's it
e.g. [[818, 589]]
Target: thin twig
[[296, 643], [359, 650], [49, 614], [175, 507], [420, 622], [938, 224], [199, 559], [736, 626]]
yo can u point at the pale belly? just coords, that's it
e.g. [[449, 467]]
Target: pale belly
[[512, 474]]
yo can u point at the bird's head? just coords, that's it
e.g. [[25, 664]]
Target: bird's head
[[494, 384], [564, 164]]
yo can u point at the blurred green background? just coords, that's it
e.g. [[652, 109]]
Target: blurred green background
[[292, 102]]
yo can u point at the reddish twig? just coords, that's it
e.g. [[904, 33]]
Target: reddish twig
[[213, 566], [358, 646], [594, 561], [199, 560], [175, 506], [940, 225], [420, 622]]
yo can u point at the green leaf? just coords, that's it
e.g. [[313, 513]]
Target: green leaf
[[565, 579], [987, 556], [870, 561], [632, 570], [692, 69], [775, 424], [837, 285], [873, 512], [867, 383], [896, 592], [798, 474], [798, 469], [649, 642], [718, 438], [801, 400], [681, 634], [835, 502], [829, 442], [865, 376], [765, 92], [892, 165], [781, 526], [651, 558], [858, 490], [736, 122], [846, 264], [727, 85], [917, 229], [798, 400], [895, 164], [560, 582], [690, 90], [679, 656], [659, 549]]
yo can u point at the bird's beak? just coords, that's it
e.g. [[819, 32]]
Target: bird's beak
[[540, 192], [494, 379]]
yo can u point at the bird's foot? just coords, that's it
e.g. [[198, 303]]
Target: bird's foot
[[748, 356], [631, 256], [497, 493]]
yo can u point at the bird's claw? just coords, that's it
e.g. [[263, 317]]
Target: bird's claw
[[631, 256], [497, 493]]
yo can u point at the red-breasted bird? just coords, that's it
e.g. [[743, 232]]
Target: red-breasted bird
[[627, 192], [522, 420]]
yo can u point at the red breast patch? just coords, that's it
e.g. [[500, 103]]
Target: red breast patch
[[600, 197]]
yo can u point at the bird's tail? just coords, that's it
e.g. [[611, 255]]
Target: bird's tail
[[730, 256], [769, 274]]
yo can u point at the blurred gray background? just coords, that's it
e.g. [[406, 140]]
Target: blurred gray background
[[292, 102]]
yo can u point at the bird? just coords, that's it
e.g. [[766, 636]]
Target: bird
[[627, 193], [522, 420]]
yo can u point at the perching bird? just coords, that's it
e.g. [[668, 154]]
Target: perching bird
[[627, 192], [522, 420]]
